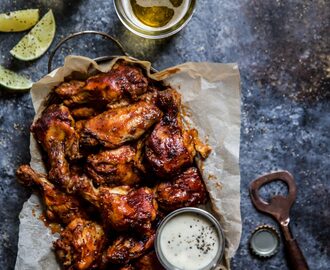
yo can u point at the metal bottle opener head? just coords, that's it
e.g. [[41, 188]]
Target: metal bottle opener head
[[279, 206]]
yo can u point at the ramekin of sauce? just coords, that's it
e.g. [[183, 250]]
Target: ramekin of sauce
[[189, 239]]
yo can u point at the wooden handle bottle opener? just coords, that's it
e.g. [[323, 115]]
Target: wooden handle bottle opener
[[279, 208]]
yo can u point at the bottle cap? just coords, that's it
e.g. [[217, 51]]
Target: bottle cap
[[265, 241]]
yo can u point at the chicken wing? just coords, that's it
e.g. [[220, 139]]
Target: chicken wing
[[187, 189], [54, 130], [125, 267], [80, 245], [128, 247], [148, 261], [170, 147], [121, 207], [69, 89], [117, 126], [122, 80], [84, 112], [129, 208], [60, 206], [115, 167]]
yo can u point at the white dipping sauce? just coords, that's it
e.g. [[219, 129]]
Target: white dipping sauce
[[189, 241]]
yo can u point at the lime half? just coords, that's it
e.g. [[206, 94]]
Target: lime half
[[13, 81], [19, 20], [37, 41]]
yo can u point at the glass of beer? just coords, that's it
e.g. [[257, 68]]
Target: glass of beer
[[155, 19]]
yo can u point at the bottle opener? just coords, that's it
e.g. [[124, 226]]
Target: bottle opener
[[279, 208]]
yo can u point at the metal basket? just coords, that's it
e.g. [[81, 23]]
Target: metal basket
[[98, 59]]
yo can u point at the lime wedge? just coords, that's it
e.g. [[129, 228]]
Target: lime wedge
[[19, 20], [37, 41], [13, 81]]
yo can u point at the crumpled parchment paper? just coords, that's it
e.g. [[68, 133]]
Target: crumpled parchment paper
[[211, 96]]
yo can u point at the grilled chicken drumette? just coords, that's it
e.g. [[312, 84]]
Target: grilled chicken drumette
[[60, 206], [148, 261], [123, 207], [123, 80], [117, 126], [128, 247], [171, 147], [187, 189], [121, 166], [80, 245], [54, 130]]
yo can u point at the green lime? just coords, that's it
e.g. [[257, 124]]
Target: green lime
[[37, 41], [14, 81], [19, 20]]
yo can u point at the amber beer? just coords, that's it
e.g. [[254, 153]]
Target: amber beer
[[156, 14]]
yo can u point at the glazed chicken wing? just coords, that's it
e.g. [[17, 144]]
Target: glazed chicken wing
[[129, 208], [80, 245], [119, 166], [122, 80], [170, 147], [187, 189], [117, 126], [60, 207], [121, 207], [148, 261], [69, 89], [84, 112], [54, 130], [128, 247], [125, 267]]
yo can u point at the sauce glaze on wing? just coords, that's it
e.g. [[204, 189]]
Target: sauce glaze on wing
[[117, 126]]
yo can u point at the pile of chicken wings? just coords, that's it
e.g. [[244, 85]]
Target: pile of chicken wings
[[119, 158]]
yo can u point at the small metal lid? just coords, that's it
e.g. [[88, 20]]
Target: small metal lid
[[265, 241]]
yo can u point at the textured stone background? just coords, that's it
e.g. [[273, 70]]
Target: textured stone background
[[283, 51]]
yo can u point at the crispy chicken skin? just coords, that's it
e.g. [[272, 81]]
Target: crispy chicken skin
[[122, 80], [80, 244], [69, 89], [54, 130], [128, 247], [115, 167], [187, 189], [169, 147], [118, 126], [60, 207], [84, 113], [125, 267], [122, 207], [148, 261], [129, 208]]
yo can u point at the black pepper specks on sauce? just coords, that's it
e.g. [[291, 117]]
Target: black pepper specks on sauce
[[193, 238]]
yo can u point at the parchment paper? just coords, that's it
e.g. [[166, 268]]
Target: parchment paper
[[211, 96]]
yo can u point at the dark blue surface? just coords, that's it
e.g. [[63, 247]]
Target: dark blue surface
[[283, 51]]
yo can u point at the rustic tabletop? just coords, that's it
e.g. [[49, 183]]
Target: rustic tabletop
[[282, 49]]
